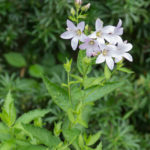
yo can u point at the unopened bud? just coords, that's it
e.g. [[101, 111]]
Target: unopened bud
[[73, 11], [78, 2], [86, 7], [67, 65]]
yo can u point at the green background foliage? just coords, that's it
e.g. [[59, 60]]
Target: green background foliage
[[30, 45]]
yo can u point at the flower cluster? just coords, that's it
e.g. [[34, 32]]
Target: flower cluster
[[105, 42]]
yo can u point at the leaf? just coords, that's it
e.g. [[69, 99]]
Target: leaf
[[123, 69], [58, 94], [70, 115], [4, 132], [71, 134], [93, 81], [15, 59], [83, 63], [98, 92], [8, 114], [30, 116], [31, 147], [92, 139], [36, 70], [43, 135], [107, 72], [99, 147]]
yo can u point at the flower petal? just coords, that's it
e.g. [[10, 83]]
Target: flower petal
[[113, 39], [93, 35], [81, 26], [109, 29], [99, 24], [110, 63], [117, 59], [119, 23], [89, 52], [128, 57], [67, 35], [100, 59], [83, 37], [83, 46], [71, 25], [74, 43], [100, 41], [128, 47]]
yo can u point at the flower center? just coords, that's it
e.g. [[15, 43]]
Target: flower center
[[98, 34], [105, 52], [91, 42], [78, 32]]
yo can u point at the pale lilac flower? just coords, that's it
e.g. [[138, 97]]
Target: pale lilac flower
[[74, 33], [122, 51], [107, 55], [79, 2], [90, 45], [109, 33]]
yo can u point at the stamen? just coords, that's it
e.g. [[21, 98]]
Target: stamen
[[78, 32], [98, 34], [105, 52], [91, 42]]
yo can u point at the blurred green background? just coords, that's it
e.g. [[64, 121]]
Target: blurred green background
[[30, 43]]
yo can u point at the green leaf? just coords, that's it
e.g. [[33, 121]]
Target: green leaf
[[92, 139], [8, 114], [31, 147], [43, 135], [81, 141], [36, 70], [123, 69], [4, 132], [83, 63], [99, 147], [93, 81], [70, 115], [15, 59], [95, 93], [30, 116], [58, 94], [107, 72]]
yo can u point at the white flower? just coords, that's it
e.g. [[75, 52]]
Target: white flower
[[74, 33], [90, 45], [107, 52], [122, 51], [109, 33]]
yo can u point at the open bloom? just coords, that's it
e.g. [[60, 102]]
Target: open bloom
[[90, 45], [108, 33], [122, 50], [74, 33], [107, 52]]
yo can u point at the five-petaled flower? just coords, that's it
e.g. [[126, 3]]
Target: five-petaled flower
[[74, 33]]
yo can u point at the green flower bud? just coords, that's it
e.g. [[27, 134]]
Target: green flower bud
[[67, 65]]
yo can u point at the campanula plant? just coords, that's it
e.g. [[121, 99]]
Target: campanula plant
[[77, 96]]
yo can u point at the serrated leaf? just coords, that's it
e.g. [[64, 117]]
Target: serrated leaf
[[8, 114], [83, 67], [58, 94], [93, 81], [98, 92], [30, 116], [4, 132], [92, 139], [15, 59], [43, 135]]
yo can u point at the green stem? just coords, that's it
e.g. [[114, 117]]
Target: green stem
[[69, 88]]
